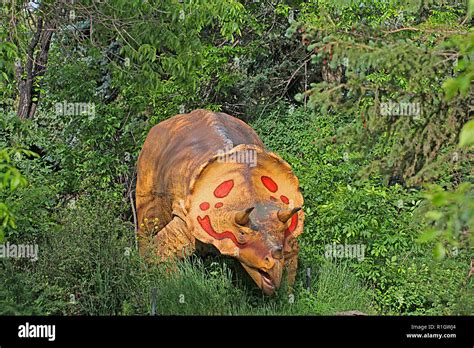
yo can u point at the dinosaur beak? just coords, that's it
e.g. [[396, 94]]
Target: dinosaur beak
[[268, 280]]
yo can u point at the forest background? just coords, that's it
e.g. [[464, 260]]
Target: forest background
[[369, 101]]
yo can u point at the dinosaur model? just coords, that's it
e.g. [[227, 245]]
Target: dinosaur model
[[206, 181]]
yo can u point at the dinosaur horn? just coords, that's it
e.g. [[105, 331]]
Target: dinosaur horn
[[243, 217], [285, 214]]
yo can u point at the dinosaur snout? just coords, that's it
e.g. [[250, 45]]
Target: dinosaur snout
[[266, 270]]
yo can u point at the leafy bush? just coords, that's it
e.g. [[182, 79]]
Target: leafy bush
[[88, 265], [310, 77], [344, 207]]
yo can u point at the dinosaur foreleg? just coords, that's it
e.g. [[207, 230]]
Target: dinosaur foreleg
[[172, 241]]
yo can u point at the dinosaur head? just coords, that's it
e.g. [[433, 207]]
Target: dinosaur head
[[251, 213], [264, 257]]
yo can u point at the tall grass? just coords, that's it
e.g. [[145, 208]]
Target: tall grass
[[88, 267]]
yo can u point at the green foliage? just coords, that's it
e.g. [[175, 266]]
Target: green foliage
[[10, 180], [8, 54], [376, 54], [335, 279], [464, 66], [156, 57], [450, 216], [343, 208], [466, 138], [88, 265], [311, 78], [10, 177]]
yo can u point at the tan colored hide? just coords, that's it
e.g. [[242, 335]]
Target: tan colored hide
[[205, 178]]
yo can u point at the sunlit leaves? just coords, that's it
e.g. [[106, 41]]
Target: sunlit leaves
[[171, 38], [466, 138], [10, 180], [464, 66], [449, 219], [375, 52]]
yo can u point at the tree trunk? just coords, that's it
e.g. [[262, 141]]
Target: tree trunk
[[35, 67]]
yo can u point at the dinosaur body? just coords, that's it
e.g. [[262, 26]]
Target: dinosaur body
[[204, 178]]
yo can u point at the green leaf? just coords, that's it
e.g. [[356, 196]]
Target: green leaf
[[434, 215], [439, 199], [439, 251], [451, 87], [466, 138], [15, 182], [299, 97], [428, 235]]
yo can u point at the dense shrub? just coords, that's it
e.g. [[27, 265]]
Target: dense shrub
[[343, 206], [310, 77]]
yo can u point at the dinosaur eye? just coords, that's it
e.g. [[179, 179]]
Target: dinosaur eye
[[244, 233]]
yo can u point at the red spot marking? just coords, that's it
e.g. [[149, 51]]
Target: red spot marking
[[207, 226], [219, 204], [223, 189], [293, 224], [269, 184], [204, 206], [273, 198], [284, 199]]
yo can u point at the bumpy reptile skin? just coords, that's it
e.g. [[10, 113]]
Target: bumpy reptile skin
[[205, 178]]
